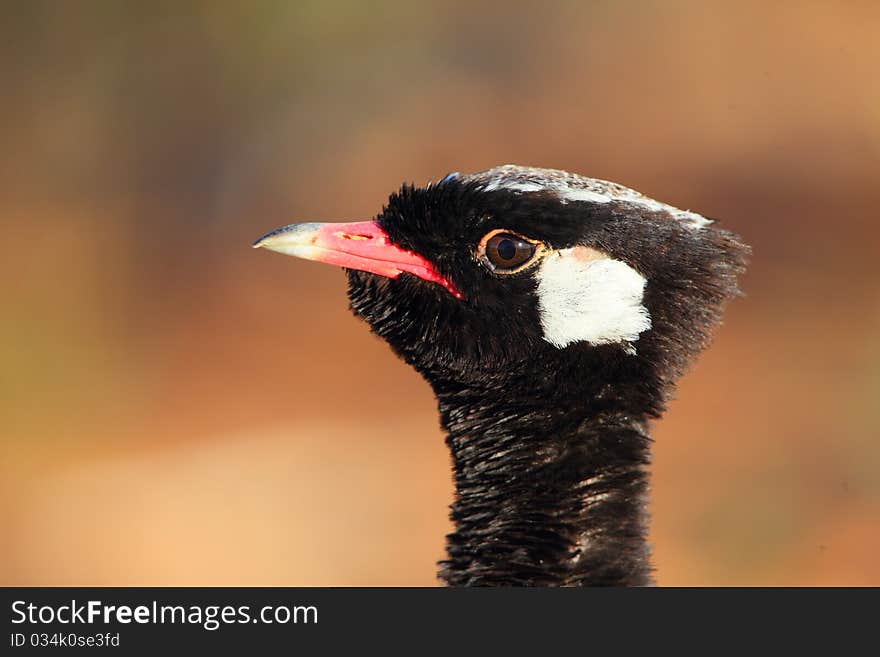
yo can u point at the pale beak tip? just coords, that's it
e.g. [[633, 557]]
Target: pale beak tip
[[281, 239], [265, 239]]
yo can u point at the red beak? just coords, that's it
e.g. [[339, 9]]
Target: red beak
[[361, 245]]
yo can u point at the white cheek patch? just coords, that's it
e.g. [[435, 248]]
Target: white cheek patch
[[586, 296]]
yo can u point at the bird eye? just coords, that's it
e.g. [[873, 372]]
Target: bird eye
[[506, 252]]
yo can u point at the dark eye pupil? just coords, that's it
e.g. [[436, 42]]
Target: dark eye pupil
[[506, 249], [506, 252]]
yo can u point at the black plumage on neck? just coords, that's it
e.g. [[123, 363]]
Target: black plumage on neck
[[550, 471]]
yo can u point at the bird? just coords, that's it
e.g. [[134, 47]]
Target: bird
[[552, 315]]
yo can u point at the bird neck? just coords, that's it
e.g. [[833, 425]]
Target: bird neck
[[549, 486]]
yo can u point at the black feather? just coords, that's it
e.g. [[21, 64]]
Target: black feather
[[549, 446]]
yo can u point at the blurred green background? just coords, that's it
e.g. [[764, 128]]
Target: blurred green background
[[171, 399]]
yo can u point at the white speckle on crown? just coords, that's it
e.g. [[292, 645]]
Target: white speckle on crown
[[586, 296], [513, 186], [587, 195], [570, 187]]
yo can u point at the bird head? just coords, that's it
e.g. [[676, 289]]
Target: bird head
[[497, 273]]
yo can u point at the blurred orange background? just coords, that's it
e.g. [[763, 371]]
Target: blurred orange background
[[169, 396]]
